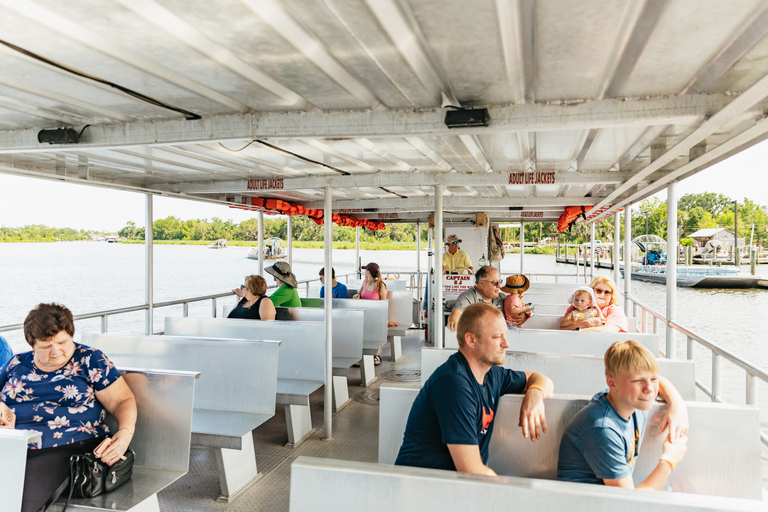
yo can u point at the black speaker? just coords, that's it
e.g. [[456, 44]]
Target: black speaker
[[467, 117]]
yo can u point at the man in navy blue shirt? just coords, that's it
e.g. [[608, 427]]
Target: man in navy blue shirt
[[451, 421], [338, 290]]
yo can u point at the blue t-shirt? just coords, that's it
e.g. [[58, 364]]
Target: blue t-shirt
[[599, 444], [62, 404], [6, 354], [453, 408], [339, 291]]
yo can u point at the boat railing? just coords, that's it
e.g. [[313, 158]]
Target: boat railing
[[718, 353]]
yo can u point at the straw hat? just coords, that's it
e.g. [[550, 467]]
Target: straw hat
[[516, 284], [282, 271], [451, 239]]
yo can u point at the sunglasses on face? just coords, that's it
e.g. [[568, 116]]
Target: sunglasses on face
[[603, 292], [494, 283]]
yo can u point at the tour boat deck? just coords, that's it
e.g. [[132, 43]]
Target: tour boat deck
[[355, 437]]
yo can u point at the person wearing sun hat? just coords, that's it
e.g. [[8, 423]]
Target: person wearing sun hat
[[515, 311], [286, 295], [455, 258]]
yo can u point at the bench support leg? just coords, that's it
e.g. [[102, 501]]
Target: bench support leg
[[340, 392], [367, 372], [298, 422], [237, 468], [395, 348]]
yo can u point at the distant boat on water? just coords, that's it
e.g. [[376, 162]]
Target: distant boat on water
[[274, 249], [218, 244]]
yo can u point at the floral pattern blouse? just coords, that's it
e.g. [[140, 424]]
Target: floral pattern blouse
[[62, 404]]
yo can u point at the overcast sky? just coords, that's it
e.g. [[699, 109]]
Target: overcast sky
[[25, 201]]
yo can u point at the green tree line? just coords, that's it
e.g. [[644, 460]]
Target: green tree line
[[304, 229], [694, 212], [41, 233]]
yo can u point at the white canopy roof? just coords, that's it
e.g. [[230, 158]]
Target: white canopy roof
[[591, 102]]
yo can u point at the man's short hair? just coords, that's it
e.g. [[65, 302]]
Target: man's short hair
[[333, 272], [628, 356], [483, 272], [46, 321], [473, 316]]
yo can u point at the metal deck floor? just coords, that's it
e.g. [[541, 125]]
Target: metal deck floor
[[355, 437]]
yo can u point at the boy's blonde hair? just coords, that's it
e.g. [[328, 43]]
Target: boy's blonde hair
[[628, 356], [472, 317]]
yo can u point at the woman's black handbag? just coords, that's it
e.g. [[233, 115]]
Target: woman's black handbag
[[89, 477]]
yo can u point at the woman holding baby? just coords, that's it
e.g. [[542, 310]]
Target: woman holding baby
[[601, 311]]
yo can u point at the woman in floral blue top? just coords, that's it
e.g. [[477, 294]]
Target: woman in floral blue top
[[63, 390]]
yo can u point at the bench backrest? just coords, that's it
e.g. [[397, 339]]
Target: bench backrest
[[551, 309], [400, 307], [375, 314], [302, 351], [328, 485], [566, 342], [710, 467], [13, 453], [164, 400], [230, 369], [572, 374], [543, 321], [347, 325]]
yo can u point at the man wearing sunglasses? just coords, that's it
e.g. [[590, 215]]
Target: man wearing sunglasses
[[455, 258], [486, 289]]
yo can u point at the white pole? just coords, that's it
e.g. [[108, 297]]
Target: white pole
[[418, 260], [261, 243], [627, 257], [592, 251], [431, 312], [149, 255], [522, 245], [328, 246], [671, 266], [289, 236], [357, 250], [616, 247], [438, 265]]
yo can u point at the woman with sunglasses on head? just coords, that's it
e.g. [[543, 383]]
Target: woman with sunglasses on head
[[614, 319]]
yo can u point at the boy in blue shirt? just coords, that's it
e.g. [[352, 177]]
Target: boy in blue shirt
[[338, 290], [603, 440]]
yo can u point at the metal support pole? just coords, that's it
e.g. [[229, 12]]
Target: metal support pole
[[104, 324], [690, 348], [671, 266], [261, 243], [522, 245], [357, 251], [328, 246], [616, 247], [751, 389], [289, 236], [716, 377], [418, 260], [627, 256], [149, 255], [592, 251], [431, 311], [438, 265]]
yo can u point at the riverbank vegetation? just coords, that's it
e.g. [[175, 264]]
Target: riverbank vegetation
[[695, 211]]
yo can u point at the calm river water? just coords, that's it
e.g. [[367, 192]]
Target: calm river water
[[97, 276]]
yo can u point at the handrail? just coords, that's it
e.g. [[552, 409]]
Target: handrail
[[752, 372]]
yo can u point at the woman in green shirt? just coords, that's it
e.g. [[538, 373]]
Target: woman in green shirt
[[286, 295]]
